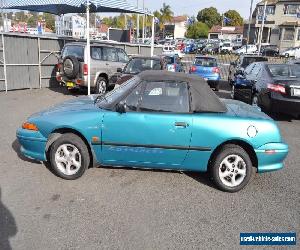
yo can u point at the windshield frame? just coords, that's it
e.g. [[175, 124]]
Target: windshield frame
[[109, 100]]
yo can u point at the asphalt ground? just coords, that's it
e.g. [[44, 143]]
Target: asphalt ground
[[120, 208]]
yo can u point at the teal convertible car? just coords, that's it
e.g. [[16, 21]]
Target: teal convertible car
[[158, 120]]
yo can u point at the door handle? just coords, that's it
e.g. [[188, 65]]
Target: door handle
[[181, 124]]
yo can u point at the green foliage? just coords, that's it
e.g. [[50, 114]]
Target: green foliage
[[197, 30], [209, 16], [49, 20], [235, 17]]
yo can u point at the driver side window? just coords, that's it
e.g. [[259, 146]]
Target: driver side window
[[132, 100]]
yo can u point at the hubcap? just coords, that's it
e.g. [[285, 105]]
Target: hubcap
[[101, 87], [68, 159], [232, 170]]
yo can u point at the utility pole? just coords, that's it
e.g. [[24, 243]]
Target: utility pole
[[143, 21], [249, 25], [137, 23], [262, 27]]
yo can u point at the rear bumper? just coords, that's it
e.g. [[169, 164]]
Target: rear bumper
[[214, 77], [287, 106], [271, 156], [33, 144]]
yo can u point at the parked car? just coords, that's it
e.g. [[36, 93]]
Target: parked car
[[211, 49], [173, 63], [270, 50], [171, 50], [138, 64], [238, 66], [72, 69], [226, 48], [189, 48], [168, 121], [273, 87], [247, 49], [291, 52], [207, 68]]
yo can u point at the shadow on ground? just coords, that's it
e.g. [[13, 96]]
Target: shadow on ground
[[8, 226]]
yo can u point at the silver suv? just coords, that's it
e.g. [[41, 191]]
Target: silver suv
[[106, 61]]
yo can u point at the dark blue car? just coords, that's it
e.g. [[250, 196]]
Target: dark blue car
[[207, 68]]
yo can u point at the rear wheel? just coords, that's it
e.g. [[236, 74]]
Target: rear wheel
[[101, 85], [69, 157], [231, 169]]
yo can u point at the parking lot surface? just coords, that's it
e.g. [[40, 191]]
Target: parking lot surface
[[119, 208]]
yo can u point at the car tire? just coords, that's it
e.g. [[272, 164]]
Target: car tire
[[101, 86], [231, 168], [217, 87], [69, 157], [71, 67]]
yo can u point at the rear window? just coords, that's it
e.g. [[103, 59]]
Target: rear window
[[248, 60], [73, 50], [206, 62], [284, 70]]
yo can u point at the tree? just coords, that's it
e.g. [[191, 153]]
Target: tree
[[235, 18], [32, 21], [209, 16], [49, 20], [197, 30]]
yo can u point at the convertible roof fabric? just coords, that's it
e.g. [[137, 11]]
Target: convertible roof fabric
[[203, 99]]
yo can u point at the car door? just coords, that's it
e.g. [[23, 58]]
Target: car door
[[111, 60], [155, 130]]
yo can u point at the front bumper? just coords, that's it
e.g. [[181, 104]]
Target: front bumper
[[271, 156], [33, 144]]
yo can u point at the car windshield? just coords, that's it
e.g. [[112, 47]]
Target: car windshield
[[248, 60], [284, 70], [73, 50], [205, 62], [116, 95], [137, 65]]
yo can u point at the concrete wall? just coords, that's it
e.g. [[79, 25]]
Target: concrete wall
[[28, 61]]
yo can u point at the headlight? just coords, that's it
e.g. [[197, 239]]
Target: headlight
[[29, 126]]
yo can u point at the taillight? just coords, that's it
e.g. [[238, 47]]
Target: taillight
[[58, 66], [85, 69], [216, 70], [276, 88], [193, 69]]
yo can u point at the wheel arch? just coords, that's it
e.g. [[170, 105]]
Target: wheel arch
[[101, 74], [244, 145], [55, 134]]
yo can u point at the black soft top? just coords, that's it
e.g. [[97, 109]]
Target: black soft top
[[203, 99]]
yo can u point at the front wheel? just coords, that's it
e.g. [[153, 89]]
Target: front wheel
[[69, 157], [231, 169]]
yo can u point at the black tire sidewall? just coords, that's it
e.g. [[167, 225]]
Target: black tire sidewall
[[222, 154], [72, 139]]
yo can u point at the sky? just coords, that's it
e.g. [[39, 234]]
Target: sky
[[191, 7]]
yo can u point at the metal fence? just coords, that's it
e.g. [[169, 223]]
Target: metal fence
[[29, 61]]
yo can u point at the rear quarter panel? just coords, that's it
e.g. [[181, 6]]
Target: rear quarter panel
[[212, 130]]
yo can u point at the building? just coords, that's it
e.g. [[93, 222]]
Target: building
[[177, 27], [282, 23], [70, 25], [226, 32]]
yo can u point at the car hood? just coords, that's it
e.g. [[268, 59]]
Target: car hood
[[243, 110], [80, 104]]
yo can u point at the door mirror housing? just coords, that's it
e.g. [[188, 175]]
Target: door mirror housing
[[121, 108], [119, 70]]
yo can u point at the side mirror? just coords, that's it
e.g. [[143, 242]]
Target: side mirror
[[119, 70], [121, 108]]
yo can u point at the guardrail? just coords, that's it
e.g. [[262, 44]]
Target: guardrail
[[28, 61]]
